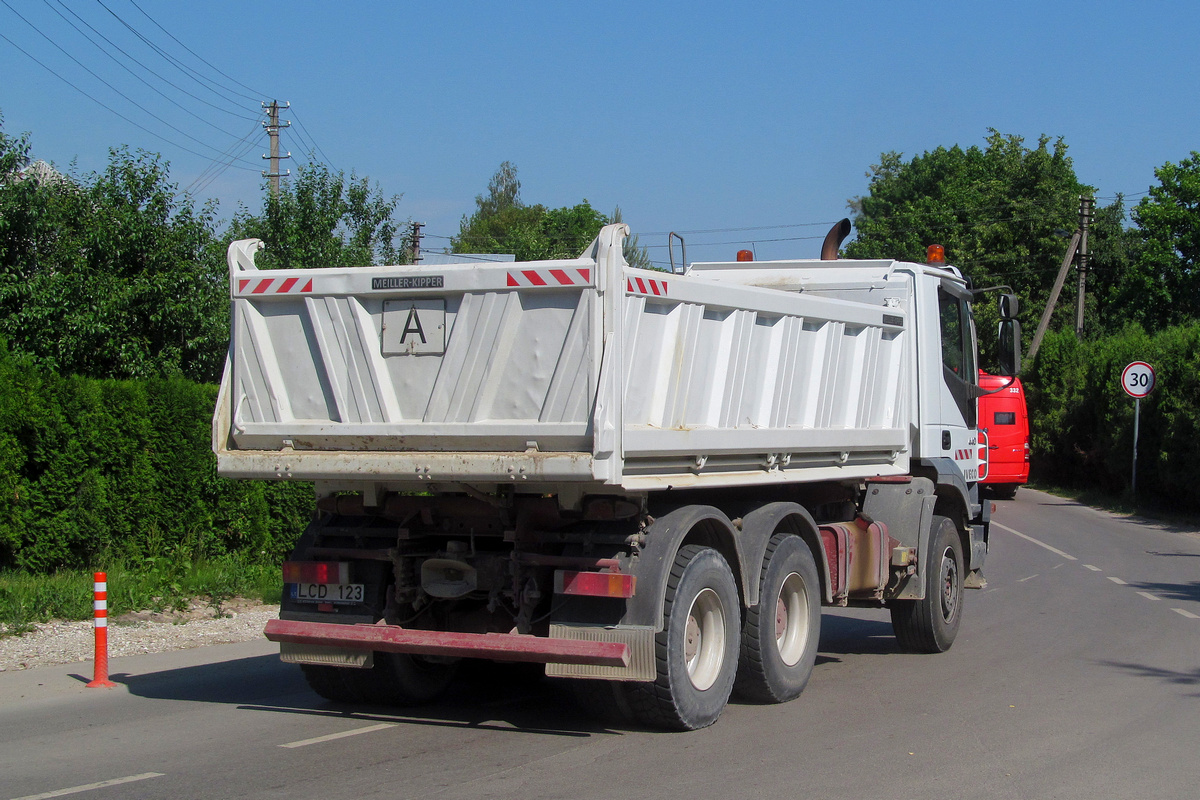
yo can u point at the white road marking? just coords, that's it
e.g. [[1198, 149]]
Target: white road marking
[[1031, 577], [1117, 580], [1148, 596], [1029, 538], [1187, 614], [88, 787], [1093, 569], [330, 737]]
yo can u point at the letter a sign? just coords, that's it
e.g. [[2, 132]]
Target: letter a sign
[[414, 327]]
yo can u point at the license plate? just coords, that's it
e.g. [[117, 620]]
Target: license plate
[[327, 592]]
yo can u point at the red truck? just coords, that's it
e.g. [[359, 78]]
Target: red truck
[[1004, 420]]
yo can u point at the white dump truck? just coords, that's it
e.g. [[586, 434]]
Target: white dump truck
[[648, 481]]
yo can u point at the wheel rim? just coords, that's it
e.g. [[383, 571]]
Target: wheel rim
[[791, 619], [950, 584], [704, 642]]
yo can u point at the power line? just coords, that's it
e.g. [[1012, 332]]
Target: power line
[[193, 52], [179, 65], [109, 108], [218, 167], [102, 80], [296, 117], [146, 83], [240, 114]]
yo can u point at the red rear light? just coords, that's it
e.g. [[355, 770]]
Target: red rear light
[[594, 584], [745, 255], [316, 572]]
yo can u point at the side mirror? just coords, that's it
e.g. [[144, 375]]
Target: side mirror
[[1009, 346], [1009, 306]]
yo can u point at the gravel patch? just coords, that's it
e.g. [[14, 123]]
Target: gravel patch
[[67, 642]]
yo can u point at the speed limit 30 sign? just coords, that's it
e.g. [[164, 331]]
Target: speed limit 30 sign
[[1137, 379]]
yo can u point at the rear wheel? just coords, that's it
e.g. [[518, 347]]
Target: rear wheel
[[930, 625], [1005, 491], [697, 651], [780, 635], [331, 682]]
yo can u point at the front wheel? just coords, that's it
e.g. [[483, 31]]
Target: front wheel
[[697, 651], [930, 625]]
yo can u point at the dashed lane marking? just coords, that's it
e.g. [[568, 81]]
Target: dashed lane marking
[[1069, 557], [1029, 538], [330, 737], [89, 786]]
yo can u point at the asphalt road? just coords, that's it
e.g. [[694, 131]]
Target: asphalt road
[[1076, 674]]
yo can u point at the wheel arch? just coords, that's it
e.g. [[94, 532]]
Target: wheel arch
[[764, 522], [693, 524]]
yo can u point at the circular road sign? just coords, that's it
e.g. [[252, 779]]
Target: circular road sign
[[1137, 379]]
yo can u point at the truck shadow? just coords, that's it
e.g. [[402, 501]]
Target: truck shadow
[[1173, 677], [514, 698], [485, 696], [854, 636], [1173, 591]]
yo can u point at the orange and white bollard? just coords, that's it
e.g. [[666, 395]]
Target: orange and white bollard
[[100, 604]]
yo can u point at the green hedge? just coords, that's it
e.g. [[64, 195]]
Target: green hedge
[[98, 471], [1082, 421]]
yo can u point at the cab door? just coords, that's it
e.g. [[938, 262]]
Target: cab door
[[958, 388]]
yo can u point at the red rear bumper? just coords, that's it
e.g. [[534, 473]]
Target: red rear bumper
[[495, 646]]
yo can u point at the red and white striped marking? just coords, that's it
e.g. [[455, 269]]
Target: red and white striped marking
[[100, 606], [646, 286], [550, 277], [275, 285]]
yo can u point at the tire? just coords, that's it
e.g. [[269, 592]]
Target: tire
[[397, 679], [331, 682], [697, 651], [780, 634], [930, 625], [1005, 491], [400, 679]]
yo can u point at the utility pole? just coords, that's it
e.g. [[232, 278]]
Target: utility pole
[[1058, 284], [415, 241], [273, 125], [1085, 218]]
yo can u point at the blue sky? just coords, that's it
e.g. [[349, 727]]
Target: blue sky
[[691, 116]]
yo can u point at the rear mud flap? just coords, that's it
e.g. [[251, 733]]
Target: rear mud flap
[[640, 641], [290, 653]]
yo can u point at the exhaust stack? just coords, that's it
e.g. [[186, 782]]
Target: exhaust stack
[[833, 240]]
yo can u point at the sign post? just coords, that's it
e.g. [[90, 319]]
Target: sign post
[[1137, 379]]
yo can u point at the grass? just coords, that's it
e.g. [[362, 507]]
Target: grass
[[157, 584]]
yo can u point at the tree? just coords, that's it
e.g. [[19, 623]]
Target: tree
[[110, 275], [502, 223], [322, 218], [1167, 289], [998, 211], [1119, 291]]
